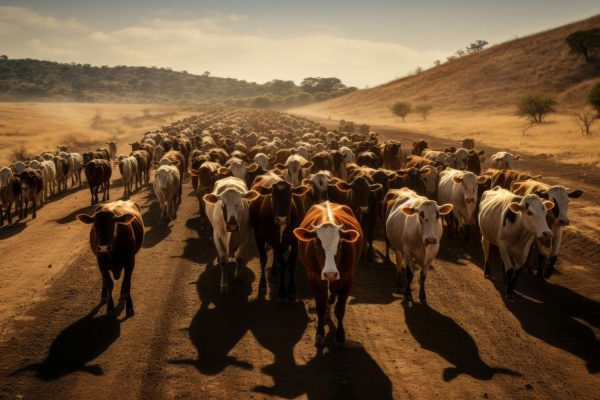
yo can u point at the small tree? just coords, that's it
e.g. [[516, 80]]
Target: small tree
[[261, 102], [401, 109], [477, 45], [423, 110], [304, 98], [460, 52], [585, 118], [594, 97], [535, 106], [418, 70], [584, 42], [437, 63]]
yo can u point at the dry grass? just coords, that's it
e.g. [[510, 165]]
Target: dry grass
[[35, 127], [559, 138]]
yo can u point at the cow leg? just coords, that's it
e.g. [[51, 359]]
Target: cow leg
[[400, 270], [1, 216], [262, 254], [422, 278], [107, 284], [33, 208], [340, 311], [485, 244], [320, 293], [509, 271], [224, 277], [292, 271], [8, 212], [387, 250], [126, 289], [409, 277], [107, 190]]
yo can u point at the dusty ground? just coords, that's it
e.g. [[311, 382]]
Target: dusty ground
[[188, 341], [38, 127]]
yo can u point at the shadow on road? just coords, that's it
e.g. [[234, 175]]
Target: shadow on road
[[157, 232]]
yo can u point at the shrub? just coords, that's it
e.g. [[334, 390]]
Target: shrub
[[423, 110], [261, 102], [594, 97], [304, 98], [401, 109], [535, 106], [584, 42], [585, 119]]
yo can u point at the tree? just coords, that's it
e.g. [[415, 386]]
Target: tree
[[585, 118], [3, 57], [418, 70], [304, 98], [594, 97], [535, 106], [261, 102], [584, 42], [460, 52], [423, 110], [401, 109], [437, 63], [313, 85], [476, 46]]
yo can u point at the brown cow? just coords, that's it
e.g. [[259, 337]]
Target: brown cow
[[505, 177], [115, 238], [368, 159], [392, 155], [10, 192], [97, 173], [273, 216], [206, 176], [418, 147], [32, 188], [143, 160], [322, 161], [330, 244]]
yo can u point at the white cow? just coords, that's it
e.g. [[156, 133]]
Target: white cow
[[512, 222], [504, 160], [228, 211], [75, 167], [296, 168], [166, 189], [414, 230], [347, 154], [558, 218], [318, 183], [461, 156], [262, 160], [48, 170], [128, 167], [459, 188], [239, 168], [112, 149]]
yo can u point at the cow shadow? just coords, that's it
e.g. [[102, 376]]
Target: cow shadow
[[76, 346], [15, 228], [157, 232], [380, 276], [72, 215], [554, 314], [440, 334], [197, 249]]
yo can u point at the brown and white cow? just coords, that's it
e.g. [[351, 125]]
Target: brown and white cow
[[295, 169], [116, 236], [330, 245], [10, 193]]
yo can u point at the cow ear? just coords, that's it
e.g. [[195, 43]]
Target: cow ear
[[349, 235], [86, 219], [223, 170], [575, 194], [408, 211], [279, 166], [301, 190], [194, 172], [304, 235], [481, 179], [252, 167], [549, 205], [262, 190], [515, 207], [125, 219], [210, 198], [306, 182], [426, 170], [343, 186], [375, 187], [307, 164], [445, 209], [457, 179], [250, 195]]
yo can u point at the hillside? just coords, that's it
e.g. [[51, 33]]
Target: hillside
[[488, 79], [33, 80]]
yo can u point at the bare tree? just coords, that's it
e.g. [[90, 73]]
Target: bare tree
[[585, 119]]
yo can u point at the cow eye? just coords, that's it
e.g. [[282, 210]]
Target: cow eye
[[529, 213]]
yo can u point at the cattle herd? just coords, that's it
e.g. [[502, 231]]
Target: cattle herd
[[266, 180]]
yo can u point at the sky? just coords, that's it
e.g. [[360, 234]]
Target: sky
[[364, 43]]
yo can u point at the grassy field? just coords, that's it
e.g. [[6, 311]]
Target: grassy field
[[31, 128], [558, 139]]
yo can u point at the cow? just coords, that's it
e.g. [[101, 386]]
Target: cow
[[295, 169], [10, 193], [176, 158], [459, 188], [330, 244], [98, 173], [443, 158], [48, 170], [228, 211], [112, 150], [414, 229], [128, 167], [32, 189], [62, 172], [18, 167], [322, 161], [318, 183], [347, 154], [208, 173], [418, 146], [273, 217], [505, 177], [166, 188], [556, 220], [511, 223], [468, 144], [75, 161], [393, 156], [504, 160], [262, 160], [143, 160], [116, 235], [474, 160]]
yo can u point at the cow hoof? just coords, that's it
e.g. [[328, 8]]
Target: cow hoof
[[320, 341], [129, 313], [423, 301]]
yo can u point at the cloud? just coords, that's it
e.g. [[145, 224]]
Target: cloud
[[213, 43], [19, 17]]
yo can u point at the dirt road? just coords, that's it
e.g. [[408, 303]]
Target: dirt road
[[189, 341]]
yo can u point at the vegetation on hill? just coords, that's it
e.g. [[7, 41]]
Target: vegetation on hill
[[27, 79]]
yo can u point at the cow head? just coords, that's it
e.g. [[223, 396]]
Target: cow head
[[359, 190], [105, 225], [328, 239], [281, 199], [461, 157], [428, 214], [560, 197], [294, 168], [232, 203], [429, 176], [318, 186], [532, 210], [467, 184]]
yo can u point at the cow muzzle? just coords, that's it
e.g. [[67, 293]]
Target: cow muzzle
[[232, 227], [429, 241], [363, 210], [470, 200], [330, 276], [104, 248], [546, 239], [281, 220]]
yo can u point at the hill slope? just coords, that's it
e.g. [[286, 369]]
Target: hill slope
[[491, 78]]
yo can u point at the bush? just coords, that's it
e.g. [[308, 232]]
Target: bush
[[423, 110], [535, 106], [594, 97], [584, 42], [304, 98], [320, 96], [401, 109], [261, 102]]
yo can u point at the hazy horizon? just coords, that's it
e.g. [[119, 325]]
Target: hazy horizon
[[362, 43]]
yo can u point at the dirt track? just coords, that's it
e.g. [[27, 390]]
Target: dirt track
[[188, 341]]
